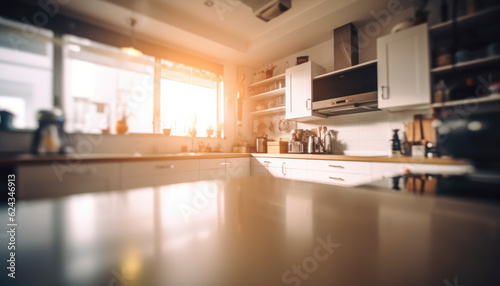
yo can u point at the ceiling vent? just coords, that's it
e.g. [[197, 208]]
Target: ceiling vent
[[268, 9]]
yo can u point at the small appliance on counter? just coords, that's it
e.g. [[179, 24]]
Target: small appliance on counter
[[6, 120], [261, 144], [277, 147], [50, 137]]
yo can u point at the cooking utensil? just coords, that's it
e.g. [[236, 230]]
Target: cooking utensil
[[284, 125], [315, 132]]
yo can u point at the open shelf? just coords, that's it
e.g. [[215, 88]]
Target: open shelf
[[269, 80], [467, 22], [489, 98], [269, 94], [478, 63], [269, 111]]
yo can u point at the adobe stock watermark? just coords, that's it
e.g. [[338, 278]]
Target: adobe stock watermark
[[311, 263], [381, 20], [206, 195], [41, 18], [221, 7]]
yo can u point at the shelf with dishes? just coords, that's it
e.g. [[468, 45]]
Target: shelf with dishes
[[477, 63], [280, 77], [269, 111], [466, 22], [269, 94], [472, 101]]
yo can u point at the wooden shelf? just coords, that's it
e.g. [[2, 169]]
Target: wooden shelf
[[269, 80], [490, 98], [346, 69], [478, 63], [269, 94], [467, 22], [269, 111]]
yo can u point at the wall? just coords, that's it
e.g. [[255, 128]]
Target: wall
[[363, 133]]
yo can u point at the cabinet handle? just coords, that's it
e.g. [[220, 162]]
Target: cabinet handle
[[283, 168], [224, 164], [267, 162], [336, 178], [337, 166], [84, 171], [385, 95], [308, 104], [165, 166]]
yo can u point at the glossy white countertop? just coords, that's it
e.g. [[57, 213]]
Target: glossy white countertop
[[254, 231]]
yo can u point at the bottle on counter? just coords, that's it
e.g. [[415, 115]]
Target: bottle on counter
[[396, 144]]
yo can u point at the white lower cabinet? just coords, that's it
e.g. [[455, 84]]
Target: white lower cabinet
[[345, 173], [224, 168], [60, 179], [344, 179], [295, 169], [157, 173]]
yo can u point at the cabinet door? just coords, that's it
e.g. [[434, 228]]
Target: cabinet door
[[403, 69], [46, 181], [212, 169], [260, 171], [237, 167], [299, 91], [156, 173]]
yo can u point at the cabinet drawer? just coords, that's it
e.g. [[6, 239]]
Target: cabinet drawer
[[278, 162], [59, 180], [158, 167], [237, 162], [209, 164], [340, 166], [343, 179]]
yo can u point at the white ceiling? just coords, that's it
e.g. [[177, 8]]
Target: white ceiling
[[228, 31]]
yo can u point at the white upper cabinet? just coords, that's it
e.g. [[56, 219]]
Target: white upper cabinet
[[299, 91], [403, 69]]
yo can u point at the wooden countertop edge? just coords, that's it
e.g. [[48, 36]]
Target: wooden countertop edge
[[109, 158], [409, 160], [72, 158]]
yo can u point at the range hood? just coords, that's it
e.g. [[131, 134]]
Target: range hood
[[346, 91], [268, 9]]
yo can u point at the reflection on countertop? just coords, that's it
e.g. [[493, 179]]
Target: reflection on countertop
[[254, 231]]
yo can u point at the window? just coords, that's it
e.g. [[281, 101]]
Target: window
[[189, 99], [25, 73], [104, 86], [98, 85]]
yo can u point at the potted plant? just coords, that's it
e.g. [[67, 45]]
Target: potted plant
[[218, 129], [166, 128], [210, 131], [192, 129], [121, 124], [269, 70]]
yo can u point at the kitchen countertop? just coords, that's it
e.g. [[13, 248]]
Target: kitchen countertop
[[380, 159], [40, 159], [36, 159], [253, 231]]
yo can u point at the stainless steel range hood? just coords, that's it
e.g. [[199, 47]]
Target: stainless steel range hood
[[347, 105], [346, 91], [268, 9]]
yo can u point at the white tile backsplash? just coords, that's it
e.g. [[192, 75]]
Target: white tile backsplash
[[366, 133]]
